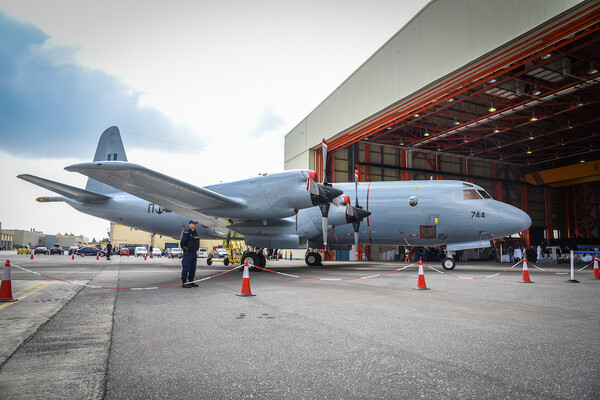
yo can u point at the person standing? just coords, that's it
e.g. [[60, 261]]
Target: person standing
[[108, 250], [190, 243]]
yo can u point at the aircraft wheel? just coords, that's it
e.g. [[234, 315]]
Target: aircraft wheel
[[226, 262], [253, 259], [448, 263], [312, 259], [208, 261], [262, 260]]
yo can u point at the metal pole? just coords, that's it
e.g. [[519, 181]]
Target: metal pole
[[572, 280]]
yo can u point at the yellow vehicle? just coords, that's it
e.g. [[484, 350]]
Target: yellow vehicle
[[24, 250], [232, 253]]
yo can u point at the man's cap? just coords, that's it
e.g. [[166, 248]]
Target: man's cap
[[192, 222]]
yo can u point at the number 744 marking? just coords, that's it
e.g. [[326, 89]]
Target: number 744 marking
[[477, 214]]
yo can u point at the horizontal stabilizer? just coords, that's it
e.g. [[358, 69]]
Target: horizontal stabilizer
[[155, 187], [65, 190]]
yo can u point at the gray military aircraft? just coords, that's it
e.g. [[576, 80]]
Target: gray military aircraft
[[288, 210]]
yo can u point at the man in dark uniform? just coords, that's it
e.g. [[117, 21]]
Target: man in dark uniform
[[190, 242], [108, 250]]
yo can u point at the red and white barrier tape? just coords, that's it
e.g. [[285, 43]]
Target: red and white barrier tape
[[559, 273], [127, 288], [473, 277], [335, 279]]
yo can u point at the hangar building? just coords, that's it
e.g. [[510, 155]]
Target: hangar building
[[501, 93]]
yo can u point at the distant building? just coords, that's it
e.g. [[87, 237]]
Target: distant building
[[6, 240], [21, 237]]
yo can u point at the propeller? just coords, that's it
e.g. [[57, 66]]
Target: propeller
[[355, 214], [322, 194]]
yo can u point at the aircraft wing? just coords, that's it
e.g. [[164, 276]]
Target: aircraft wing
[[155, 187], [65, 190]]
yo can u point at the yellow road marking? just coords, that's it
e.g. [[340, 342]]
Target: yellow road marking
[[27, 294], [29, 287]]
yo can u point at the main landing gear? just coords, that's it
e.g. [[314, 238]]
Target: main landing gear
[[312, 259], [255, 258]]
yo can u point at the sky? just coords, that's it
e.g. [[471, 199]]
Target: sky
[[203, 91]]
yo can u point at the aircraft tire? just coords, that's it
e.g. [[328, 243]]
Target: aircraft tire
[[312, 259], [252, 257], [262, 260], [208, 261], [448, 263]]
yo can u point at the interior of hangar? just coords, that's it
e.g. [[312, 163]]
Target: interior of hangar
[[504, 94]]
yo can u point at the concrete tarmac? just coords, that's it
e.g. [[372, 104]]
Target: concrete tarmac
[[297, 338]]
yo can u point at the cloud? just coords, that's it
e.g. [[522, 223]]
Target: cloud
[[268, 121], [50, 103]]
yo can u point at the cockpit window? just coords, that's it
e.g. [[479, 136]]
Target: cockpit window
[[471, 194], [484, 194]]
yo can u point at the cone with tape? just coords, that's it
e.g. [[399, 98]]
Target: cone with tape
[[421, 280], [525, 278], [245, 291], [6, 286], [73, 256], [97, 256], [596, 270], [31, 254]]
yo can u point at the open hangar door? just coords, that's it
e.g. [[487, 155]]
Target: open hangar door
[[522, 121]]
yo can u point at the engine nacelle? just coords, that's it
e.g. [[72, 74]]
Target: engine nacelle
[[273, 241], [270, 196]]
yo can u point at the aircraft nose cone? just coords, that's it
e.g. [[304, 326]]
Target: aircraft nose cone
[[517, 219], [511, 220]]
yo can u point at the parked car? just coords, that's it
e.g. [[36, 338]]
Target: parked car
[[24, 250], [175, 252], [202, 252], [124, 251], [218, 253], [90, 251], [156, 252], [73, 250], [140, 251], [57, 250], [41, 250]]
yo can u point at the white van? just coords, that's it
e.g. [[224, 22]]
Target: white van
[[202, 252]]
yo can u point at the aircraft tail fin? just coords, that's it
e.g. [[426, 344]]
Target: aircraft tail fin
[[110, 148], [68, 191]]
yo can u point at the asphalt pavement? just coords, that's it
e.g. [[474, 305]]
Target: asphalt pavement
[[314, 333]]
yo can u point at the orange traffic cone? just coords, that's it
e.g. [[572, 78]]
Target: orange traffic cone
[[6, 286], [97, 256], [596, 270], [421, 281], [245, 291], [525, 278], [72, 256], [31, 254], [145, 258]]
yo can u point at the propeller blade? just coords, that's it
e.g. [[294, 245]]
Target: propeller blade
[[356, 186], [356, 245], [324, 207], [324, 152]]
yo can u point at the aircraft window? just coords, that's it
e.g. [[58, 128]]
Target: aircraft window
[[467, 185], [115, 157], [108, 157], [485, 194], [413, 201], [471, 194]]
